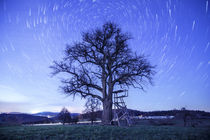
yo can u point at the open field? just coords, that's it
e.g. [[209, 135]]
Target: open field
[[87, 132]]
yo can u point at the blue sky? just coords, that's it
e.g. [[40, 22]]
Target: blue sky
[[173, 34]]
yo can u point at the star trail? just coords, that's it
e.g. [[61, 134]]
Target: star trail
[[173, 34]]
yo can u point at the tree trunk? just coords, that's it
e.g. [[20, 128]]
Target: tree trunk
[[107, 111], [91, 117]]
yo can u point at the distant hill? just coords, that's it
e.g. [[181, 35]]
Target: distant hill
[[50, 117], [22, 119], [15, 113], [46, 114], [197, 113], [52, 114]]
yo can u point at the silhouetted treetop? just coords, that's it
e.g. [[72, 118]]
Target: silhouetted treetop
[[102, 64]]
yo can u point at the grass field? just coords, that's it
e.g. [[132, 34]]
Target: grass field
[[87, 132]]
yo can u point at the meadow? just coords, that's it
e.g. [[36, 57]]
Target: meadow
[[97, 132]]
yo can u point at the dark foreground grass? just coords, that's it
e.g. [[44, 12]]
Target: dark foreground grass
[[85, 132]]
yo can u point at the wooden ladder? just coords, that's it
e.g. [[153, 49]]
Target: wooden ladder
[[120, 109]]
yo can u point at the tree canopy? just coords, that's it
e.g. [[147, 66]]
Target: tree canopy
[[64, 116], [91, 106], [102, 64]]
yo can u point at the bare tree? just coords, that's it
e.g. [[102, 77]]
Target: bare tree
[[92, 105], [185, 115], [64, 116], [102, 64], [74, 119]]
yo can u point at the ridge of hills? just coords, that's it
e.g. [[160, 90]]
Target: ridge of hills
[[51, 117]]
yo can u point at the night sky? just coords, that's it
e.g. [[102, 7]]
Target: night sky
[[173, 34]]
